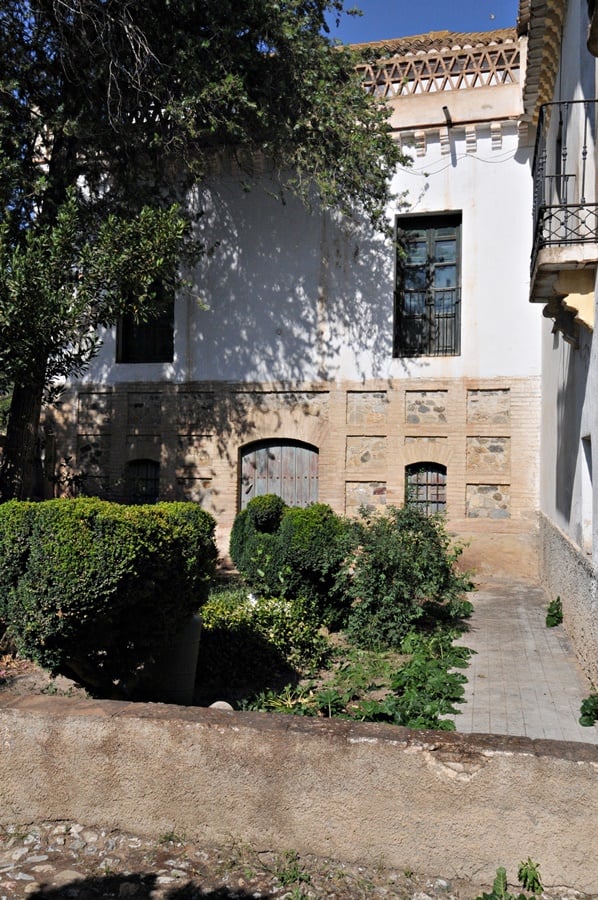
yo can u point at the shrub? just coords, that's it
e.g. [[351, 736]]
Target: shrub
[[403, 568], [265, 512], [299, 558], [289, 626], [250, 644], [104, 587], [15, 528], [251, 536], [310, 547]]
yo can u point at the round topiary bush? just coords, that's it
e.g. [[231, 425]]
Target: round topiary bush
[[251, 537], [265, 513]]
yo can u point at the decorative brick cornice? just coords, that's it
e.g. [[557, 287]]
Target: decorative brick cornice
[[440, 61]]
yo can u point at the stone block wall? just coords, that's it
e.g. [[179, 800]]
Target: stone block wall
[[567, 572]]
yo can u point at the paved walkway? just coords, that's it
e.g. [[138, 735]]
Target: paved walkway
[[524, 678]]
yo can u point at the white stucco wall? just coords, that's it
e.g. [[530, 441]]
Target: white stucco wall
[[567, 417], [569, 440], [293, 295]]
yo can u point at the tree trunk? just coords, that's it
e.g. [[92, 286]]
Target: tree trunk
[[17, 462]]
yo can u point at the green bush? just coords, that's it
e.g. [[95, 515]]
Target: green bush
[[299, 558], [15, 529], [102, 588], [310, 548], [289, 626], [265, 513], [402, 571], [251, 537]]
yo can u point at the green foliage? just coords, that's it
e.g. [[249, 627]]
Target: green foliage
[[265, 513], [16, 520], [251, 539], [310, 548], [589, 710], [102, 588], [399, 573], [5, 400], [528, 874], [103, 125], [66, 283], [402, 573], [419, 694], [289, 626], [554, 613], [426, 688], [500, 888], [299, 559], [290, 871]]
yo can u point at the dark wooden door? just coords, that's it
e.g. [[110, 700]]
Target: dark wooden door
[[286, 468]]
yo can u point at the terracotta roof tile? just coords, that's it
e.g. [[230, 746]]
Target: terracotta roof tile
[[437, 41]]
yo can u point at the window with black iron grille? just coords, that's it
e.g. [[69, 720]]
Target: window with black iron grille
[[147, 342], [425, 487], [428, 289], [142, 481]]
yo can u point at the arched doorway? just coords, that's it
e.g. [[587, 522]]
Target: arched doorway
[[283, 467]]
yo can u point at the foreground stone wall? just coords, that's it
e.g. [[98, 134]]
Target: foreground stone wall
[[432, 802], [567, 572]]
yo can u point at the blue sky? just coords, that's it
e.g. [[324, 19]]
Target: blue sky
[[398, 18]]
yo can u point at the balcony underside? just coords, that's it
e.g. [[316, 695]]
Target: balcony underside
[[564, 279]]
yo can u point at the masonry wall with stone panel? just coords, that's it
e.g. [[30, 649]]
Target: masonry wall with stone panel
[[484, 432], [426, 801]]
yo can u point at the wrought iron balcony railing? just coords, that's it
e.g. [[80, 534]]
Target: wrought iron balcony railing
[[565, 207]]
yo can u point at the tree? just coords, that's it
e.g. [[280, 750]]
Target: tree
[[110, 110]]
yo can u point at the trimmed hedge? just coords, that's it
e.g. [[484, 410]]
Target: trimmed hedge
[[252, 537], [96, 589]]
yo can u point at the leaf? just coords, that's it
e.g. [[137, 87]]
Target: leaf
[[499, 886]]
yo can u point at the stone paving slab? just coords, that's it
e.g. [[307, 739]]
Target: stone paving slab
[[524, 678]]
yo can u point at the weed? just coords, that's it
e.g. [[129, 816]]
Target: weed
[[171, 837], [364, 686], [528, 874], [554, 613], [12, 833], [426, 688], [589, 710], [296, 893], [290, 871], [500, 889]]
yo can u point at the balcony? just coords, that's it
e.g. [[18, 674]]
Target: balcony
[[565, 247]]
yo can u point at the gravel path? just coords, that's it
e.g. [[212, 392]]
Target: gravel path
[[69, 860]]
